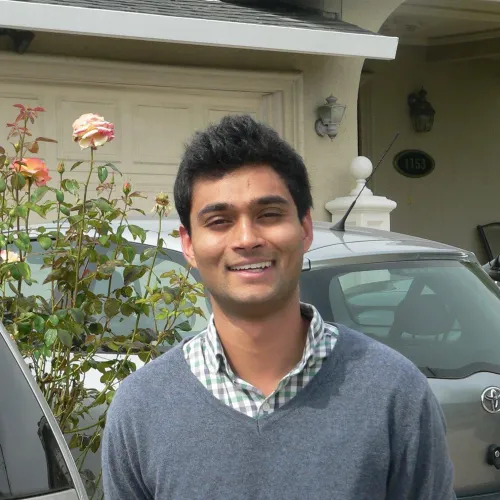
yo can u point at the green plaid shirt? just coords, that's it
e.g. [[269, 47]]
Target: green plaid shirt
[[205, 355]]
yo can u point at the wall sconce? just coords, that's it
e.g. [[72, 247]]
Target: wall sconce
[[330, 116], [21, 39], [421, 111]]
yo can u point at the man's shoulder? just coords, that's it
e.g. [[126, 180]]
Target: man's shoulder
[[380, 363], [155, 380]]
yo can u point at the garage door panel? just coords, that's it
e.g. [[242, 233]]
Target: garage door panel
[[160, 132], [69, 110], [151, 126]]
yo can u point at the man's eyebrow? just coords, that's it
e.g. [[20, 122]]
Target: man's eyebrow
[[214, 207], [271, 200], [224, 207]]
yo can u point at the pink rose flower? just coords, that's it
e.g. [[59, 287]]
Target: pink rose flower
[[8, 256], [32, 168], [91, 130]]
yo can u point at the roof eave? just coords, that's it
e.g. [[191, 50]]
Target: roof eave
[[140, 26]]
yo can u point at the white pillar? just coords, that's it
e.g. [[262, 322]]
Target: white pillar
[[369, 211]]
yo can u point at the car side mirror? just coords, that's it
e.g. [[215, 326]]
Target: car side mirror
[[493, 269]]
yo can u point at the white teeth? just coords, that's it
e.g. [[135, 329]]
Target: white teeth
[[258, 265]]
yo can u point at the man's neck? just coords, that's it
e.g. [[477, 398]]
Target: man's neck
[[263, 351]]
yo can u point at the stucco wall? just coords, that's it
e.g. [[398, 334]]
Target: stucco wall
[[462, 191], [327, 160]]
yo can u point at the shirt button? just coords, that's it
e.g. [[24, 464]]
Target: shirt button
[[266, 406]]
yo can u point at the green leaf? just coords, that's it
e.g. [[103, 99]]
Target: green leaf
[[38, 194], [65, 211], [75, 165], [3, 241], [137, 232], [65, 337], [54, 319], [21, 211], [71, 185], [144, 356], [3, 185], [50, 337], [127, 291], [133, 273], [112, 307], [109, 396], [184, 326], [109, 266], [110, 165], [126, 309], [168, 274], [59, 196], [96, 328], [147, 254], [103, 240], [45, 242], [20, 270], [19, 244], [102, 173], [39, 324], [24, 237], [109, 374], [39, 209], [18, 181], [128, 253], [77, 315], [103, 205]]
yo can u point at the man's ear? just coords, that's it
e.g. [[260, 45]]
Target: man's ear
[[187, 246], [307, 227]]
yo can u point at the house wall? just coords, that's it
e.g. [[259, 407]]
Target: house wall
[[462, 191], [327, 160]]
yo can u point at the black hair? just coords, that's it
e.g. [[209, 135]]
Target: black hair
[[235, 142]]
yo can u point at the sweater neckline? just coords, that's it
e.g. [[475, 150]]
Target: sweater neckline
[[325, 374]]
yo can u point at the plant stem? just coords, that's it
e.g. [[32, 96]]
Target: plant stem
[[129, 350], [80, 236]]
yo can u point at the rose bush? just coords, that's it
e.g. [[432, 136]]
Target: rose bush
[[62, 322]]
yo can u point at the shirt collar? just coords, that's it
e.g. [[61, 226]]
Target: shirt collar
[[216, 360]]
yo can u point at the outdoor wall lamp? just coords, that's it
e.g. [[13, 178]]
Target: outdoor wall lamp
[[21, 39], [421, 111], [330, 116]]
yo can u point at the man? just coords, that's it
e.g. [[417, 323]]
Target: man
[[269, 402]]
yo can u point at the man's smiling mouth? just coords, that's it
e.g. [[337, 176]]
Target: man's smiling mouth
[[255, 267]]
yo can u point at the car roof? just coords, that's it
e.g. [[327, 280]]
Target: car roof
[[328, 244]]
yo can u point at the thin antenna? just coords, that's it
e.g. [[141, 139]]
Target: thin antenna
[[340, 225]]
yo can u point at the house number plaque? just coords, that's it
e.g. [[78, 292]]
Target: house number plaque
[[414, 163]]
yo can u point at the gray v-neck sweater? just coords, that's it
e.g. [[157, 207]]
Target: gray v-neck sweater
[[366, 427]]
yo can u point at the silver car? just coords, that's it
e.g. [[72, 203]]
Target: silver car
[[34, 458], [431, 302]]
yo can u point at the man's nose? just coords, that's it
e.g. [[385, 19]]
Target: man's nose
[[246, 235]]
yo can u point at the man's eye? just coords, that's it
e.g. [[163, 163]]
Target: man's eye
[[271, 214], [217, 222]]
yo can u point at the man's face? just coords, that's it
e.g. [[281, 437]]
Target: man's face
[[247, 240]]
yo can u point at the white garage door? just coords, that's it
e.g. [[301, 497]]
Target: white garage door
[[151, 126]]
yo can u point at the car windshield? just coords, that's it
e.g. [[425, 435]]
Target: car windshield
[[121, 324], [442, 315]]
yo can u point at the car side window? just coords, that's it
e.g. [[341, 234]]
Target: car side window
[[31, 462], [374, 298], [173, 261]]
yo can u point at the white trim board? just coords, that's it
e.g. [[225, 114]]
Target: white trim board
[[140, 26]]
